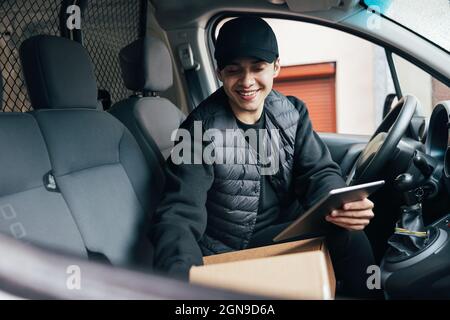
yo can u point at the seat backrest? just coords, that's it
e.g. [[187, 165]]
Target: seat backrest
[[29, 209], [99, 169], [147, 70]]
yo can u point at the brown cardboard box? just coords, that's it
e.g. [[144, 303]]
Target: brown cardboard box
[[293, 270]]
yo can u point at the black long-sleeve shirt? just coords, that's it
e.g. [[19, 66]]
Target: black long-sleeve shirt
[[268, 209], [181, 218]]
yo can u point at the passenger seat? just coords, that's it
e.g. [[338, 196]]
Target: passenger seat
[[147, 70], [30, 210], [94, 165]]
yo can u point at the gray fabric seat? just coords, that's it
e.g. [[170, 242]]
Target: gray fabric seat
[[28, 210], [147, 70], [101, 173]]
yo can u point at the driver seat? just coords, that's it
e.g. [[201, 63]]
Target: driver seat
[[147, 70]]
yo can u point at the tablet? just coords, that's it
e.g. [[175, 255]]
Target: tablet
[[313, 220]]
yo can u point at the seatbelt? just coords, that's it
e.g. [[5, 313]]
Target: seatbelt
[[104, 98], [191, 67]]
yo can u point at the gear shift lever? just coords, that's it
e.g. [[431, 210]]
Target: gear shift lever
[[410, 233], [405, 184]]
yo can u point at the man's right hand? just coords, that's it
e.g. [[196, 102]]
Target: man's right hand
[[353, 215]]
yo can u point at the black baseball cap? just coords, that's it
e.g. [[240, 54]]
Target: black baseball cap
[[246, 36]]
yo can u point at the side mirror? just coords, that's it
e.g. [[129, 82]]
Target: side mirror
[[388, 101]]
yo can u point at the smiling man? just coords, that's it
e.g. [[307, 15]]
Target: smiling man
[[211, 208]]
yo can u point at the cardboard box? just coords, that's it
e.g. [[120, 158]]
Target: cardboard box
[[293, 270]]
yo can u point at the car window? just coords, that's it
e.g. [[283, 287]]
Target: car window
[[342, 79], [417, 82], [430, 18]]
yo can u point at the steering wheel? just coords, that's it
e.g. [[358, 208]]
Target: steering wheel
[[383, 142]]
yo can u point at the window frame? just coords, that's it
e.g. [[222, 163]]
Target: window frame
[[216, 19]]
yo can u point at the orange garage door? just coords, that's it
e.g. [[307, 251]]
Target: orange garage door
[[315, 85]]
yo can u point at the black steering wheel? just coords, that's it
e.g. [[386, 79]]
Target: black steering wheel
[[383, 142]]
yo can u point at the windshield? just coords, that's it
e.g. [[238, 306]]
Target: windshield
[[429, 18]]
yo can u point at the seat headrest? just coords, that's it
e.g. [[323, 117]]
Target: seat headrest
[[146, 65], [58, 73]]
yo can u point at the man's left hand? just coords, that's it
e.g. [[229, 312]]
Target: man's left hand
[[353, 215]]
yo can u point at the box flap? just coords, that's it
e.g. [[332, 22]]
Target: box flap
[[268, 251]]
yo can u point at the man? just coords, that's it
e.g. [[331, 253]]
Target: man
[[214, 207]]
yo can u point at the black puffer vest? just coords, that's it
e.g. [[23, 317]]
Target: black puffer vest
[[233, 199]]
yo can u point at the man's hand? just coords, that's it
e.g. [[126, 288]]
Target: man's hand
[[353, 215]]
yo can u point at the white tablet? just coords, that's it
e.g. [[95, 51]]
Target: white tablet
[[313, 221]]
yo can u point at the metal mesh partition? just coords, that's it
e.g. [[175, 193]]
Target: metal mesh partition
[[107, 27], [19, 20]]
